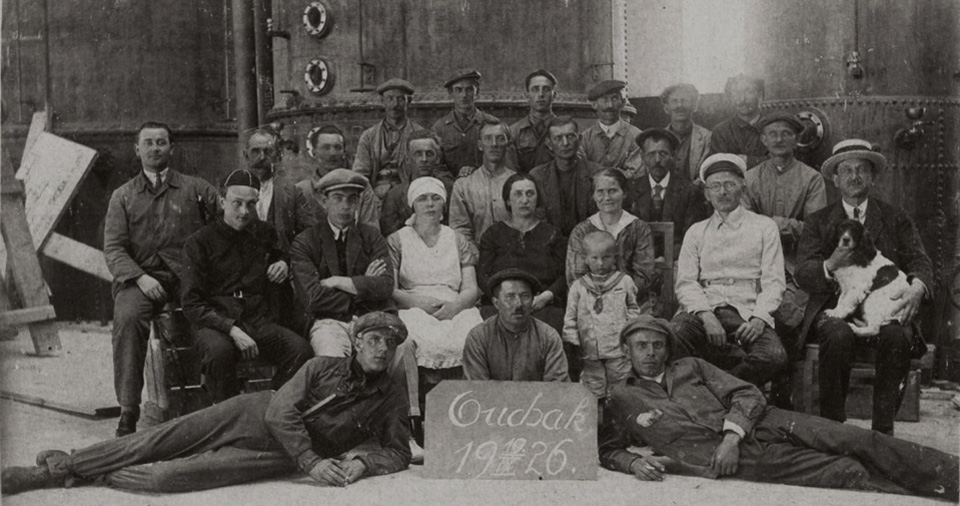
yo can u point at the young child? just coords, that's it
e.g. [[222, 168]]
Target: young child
[[599, 304]]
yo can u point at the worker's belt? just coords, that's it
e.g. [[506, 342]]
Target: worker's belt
[[744, 282]]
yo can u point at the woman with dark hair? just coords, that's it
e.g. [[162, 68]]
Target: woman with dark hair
[[527, 243], [633, 236]]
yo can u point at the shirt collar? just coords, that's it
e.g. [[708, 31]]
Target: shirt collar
[[611, 130], [152, 177], [748, 124], [625, 219], [663, 183], [734, 218], [656, 379], [848, 209], [355, 374], [791, 164], [398, 128], [337, 230], [504, 330]]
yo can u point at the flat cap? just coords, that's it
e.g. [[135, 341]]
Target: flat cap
[[381, 320], [646, 322], [853, 148], [341, 179], [241, 177], [396, 84], [604, 87], [461, 74], [659, 133], [513, 273], [782, 117], [722, 162], [539, 72]]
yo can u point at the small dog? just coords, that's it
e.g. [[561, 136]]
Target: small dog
[[870, 283]]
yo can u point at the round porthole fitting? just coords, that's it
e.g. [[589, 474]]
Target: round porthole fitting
[[317, 19], [318, 77]]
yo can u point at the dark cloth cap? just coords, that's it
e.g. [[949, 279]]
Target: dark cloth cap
[[784, 117], [513, 273], [461, 74], [660, 133], [381, 320], [539, 72], [396, 84], [241, 177], [604, 87], [646, 322], [340, 179]]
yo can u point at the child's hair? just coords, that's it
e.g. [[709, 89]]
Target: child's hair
[[596, 238]]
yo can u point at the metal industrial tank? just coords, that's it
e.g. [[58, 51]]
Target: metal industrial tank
[[886, 72], [329, 56]]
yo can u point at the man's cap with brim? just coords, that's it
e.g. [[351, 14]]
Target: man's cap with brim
[[540, 72], [659, 133], [646, 322], [241, 177], [780, 117], [341, 179], [513, 273], [722, 162], [461, 74], [849, 149], [604, 87], [396, 84], [380, 320]]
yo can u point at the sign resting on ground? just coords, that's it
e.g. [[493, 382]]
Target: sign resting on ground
[[504, 430]]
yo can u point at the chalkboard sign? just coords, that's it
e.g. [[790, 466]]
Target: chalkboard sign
[[504, 430]]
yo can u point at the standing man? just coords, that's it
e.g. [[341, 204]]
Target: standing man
[[477, 200], [567, 180], [530, 132], [611, 141], [382, 148], [665, 194], [459, 131], [512, 345], [708, 423], [329, 152], [730, 280], [681, 101], [740, 134], [424, 160], [228, 267], [147, 220], [854, 168]]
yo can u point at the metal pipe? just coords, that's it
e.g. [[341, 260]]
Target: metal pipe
[[244, 71], [263, 44]]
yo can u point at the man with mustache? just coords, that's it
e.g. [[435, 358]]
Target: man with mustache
[[611, 141], [740, 135], [147, 220], [423, 153], [329, 150], [229, 266], [530, 132], [788, 191], [730, 280], [382, 148], [512, 345]]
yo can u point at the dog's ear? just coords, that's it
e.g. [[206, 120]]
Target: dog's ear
[[864, 251]]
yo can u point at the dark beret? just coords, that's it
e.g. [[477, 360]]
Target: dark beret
[[461, 74], [396, 84], [604, 87], [340, 179], [784, 117], [242, 177], [381, 320], [511, 274], [659, 133]]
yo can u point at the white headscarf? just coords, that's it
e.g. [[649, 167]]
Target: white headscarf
[[423, 186]]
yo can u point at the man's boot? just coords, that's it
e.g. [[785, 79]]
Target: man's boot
[[128, 423], [51, 471]]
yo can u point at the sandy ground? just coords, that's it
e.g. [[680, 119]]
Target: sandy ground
[[82, 375]]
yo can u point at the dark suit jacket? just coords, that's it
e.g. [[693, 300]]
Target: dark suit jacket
[[546, 177], [683, 204], [893, 233], [314, 257], [290, 212]]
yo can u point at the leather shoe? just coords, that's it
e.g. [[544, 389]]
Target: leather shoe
[[14, 480], [128, 423]]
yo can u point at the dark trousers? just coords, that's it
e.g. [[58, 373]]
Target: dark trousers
[[838, 347], [799, 449], [275, 344], [225, 444], [132, 312], [756, 362]]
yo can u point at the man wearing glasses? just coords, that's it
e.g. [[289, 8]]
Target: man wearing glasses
[[730, 280]]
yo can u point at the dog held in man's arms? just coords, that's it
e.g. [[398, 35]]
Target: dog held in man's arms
[[871, 286]]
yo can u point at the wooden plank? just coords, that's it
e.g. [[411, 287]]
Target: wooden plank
[[77, 255], [25, 267], [39, 124], [62, 407], [55, 167], [27, 315]]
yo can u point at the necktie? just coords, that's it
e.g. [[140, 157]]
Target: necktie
[[657, 200]]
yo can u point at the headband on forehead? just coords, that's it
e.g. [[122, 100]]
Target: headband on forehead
[[424, 185]]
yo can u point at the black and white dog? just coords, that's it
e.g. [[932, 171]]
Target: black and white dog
[[869, 286]]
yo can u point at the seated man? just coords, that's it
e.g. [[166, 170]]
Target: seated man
[[854, 167], [710, 424], [228, 266], [341, 268], [424, 155], [329, 407], [512, 345], [730, 280]]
